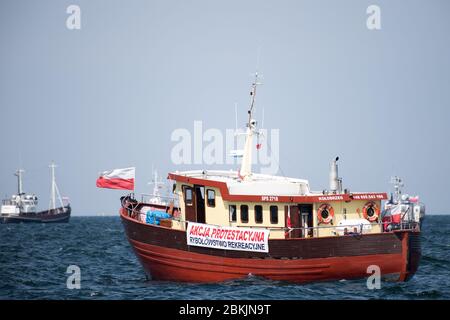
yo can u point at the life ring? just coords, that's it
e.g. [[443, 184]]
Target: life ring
[[371, 211], [325, 213]]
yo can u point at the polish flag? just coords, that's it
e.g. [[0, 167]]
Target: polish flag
[[117, 179]]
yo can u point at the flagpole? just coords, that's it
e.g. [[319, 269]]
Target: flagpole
[[134, 183]]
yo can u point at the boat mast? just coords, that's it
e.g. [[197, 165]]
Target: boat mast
[[246, 165], [54, 189], [18, 174], [156, 184], [398, 183]]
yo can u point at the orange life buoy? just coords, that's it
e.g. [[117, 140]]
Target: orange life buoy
[[371, 211], [325, 213]]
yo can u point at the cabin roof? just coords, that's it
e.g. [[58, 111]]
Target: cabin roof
[[259, 184], [264, 187]]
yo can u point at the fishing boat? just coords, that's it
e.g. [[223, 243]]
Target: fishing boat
[[22, 207], [232, 224]]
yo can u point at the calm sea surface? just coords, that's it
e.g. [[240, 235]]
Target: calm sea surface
[[34, 260]]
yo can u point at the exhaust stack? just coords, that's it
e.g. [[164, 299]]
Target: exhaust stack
[[335, 181]]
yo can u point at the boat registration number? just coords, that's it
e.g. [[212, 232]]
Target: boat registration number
[[269, 198]]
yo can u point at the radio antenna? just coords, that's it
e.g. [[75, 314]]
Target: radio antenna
[[235, 117]]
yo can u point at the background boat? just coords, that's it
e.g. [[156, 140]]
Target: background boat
[[21, 207]]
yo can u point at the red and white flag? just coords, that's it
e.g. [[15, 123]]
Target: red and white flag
[[117, 179]]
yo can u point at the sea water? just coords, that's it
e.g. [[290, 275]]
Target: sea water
[[35, 262]]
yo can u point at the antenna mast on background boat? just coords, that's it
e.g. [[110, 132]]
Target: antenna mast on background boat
[[157, 184], [398, 184]]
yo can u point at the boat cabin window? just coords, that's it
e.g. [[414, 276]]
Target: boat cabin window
[[187, 195], [244, 213], [274, 214], [232, 209], [258, 214], [211, 198]]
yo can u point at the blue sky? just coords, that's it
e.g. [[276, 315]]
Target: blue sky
[[110, 94]]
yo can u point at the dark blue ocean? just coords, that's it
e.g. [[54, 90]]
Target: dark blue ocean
[[34, 260]]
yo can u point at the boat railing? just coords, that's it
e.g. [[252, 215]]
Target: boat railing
[[403, 226], [147, 198], [133, 207]]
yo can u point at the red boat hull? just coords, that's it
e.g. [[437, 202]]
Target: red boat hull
[[164, 254]]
